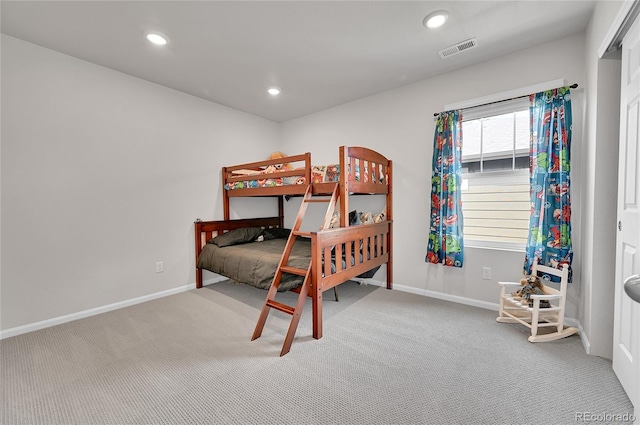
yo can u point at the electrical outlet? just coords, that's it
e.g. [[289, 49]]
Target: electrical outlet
[[486, 273], [159, 267]]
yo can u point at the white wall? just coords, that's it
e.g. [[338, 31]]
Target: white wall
[[600, 185], [103, 175], [399, 123]]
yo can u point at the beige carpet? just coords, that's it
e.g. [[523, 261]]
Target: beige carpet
[[386, 357]]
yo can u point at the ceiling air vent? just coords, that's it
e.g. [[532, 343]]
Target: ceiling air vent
[[455, 49]]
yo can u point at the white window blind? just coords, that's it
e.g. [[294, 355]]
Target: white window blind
[[496, 210]]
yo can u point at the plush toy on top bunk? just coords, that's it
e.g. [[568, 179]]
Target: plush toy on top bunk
[[278, 167], [531, 285], [282, 167]]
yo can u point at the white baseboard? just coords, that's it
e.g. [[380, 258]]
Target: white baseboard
[[19, 330], [433, 294], [570, 321]]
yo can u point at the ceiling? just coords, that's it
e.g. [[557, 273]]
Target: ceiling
[[319, 53]]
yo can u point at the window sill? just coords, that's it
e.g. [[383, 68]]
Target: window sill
[[496, 246]]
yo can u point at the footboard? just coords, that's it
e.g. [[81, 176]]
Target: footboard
[[356, 249], [206, 230]]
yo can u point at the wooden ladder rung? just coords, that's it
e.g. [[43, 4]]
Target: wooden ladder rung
[[281, 307], [303, 234], [294, 270], [317, 200]]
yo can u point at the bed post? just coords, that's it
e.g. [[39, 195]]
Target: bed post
[[344, 189], [307, 168], [198, 233], [281, 210], [390, 218], [225, 194], [315, 290]]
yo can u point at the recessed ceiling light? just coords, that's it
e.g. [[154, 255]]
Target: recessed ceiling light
[[273, 91], [157, 38], [435, 19]]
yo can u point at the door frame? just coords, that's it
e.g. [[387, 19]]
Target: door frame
[[627, 16]]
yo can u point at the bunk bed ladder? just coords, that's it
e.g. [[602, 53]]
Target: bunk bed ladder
[[270, 301]]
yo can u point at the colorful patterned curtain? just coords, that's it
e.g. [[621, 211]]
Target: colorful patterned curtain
[[550, 223], [445, 235]]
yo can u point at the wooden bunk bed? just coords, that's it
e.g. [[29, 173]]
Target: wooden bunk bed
[[361, 171]]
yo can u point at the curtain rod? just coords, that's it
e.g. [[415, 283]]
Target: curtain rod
[[573, 86]]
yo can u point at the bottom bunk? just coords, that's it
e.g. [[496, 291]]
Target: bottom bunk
[[250, 255], [249, 251]]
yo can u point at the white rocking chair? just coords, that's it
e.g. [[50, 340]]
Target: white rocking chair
[[513, 310]]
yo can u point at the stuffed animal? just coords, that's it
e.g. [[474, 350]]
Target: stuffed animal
[[368, 217], [335, 220], [531, 285], [380, 217], [281, 167]]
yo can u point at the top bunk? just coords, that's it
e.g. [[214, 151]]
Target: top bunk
[[367, 172]]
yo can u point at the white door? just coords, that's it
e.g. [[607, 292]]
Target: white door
[[626, 338]]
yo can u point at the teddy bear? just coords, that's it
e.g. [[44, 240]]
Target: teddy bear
[[368, 217], [531, 285], [281, 167], [380, 217], [335, 220]]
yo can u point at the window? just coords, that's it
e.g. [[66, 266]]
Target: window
[[495, 165]]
